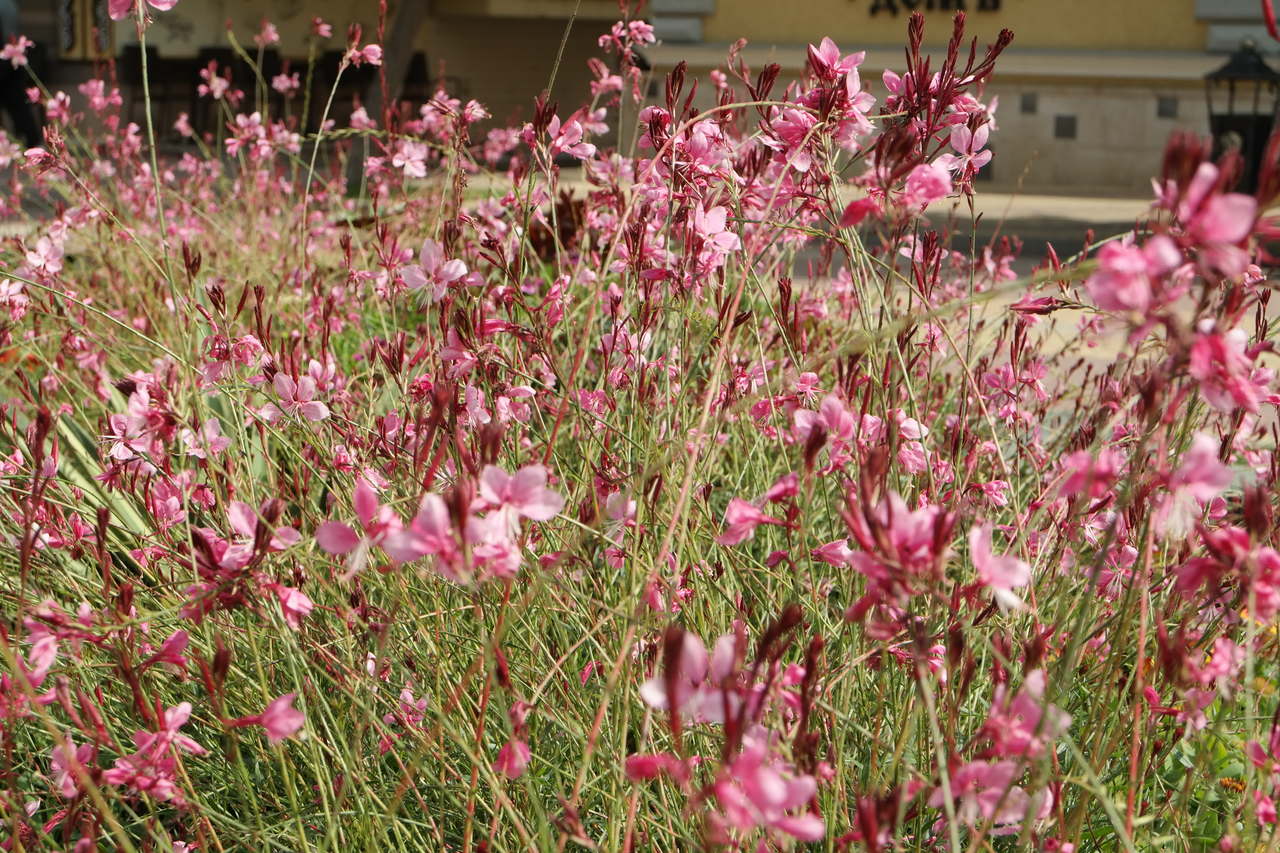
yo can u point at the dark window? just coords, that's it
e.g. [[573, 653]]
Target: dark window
[[1064, 127], [1030, 103], [1166, 107]]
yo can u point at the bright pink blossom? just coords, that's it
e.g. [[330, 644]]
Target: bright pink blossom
[[741, 519], [926, 184], [513, 758]]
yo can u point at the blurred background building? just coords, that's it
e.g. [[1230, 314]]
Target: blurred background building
[[1088, 93]]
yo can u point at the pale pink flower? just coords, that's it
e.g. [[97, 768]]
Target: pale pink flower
[[826, 61], [267, 35], [1089, 476], [696, 690], [1003, 573], [370, 53], [295, 605], [970, 150], [523, 493], [152, 768], [1224, 366], [710, 226], [360, 120], [377, 521], [64, 759], [1217, 222], [286, 84], [569, 138], [297, 399], [209, 441], [1026, 725], [433, 270], [1199, 479], [430, 533], [985, 792]]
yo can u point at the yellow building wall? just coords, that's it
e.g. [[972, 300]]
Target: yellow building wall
[[502, 61], [1083, 24]]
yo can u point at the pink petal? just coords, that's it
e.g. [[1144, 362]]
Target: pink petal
[[285, 387], [365, 500], [314, 411], [243, 518], [337, 538]]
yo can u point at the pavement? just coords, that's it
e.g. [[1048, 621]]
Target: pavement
[[1040, 220]]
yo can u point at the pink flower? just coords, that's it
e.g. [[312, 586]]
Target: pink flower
[[295, 605], [513, 758], [15, 52], [170, 652], [710, 226], [740, 521], [267, 35], [430, 533], [569, 138], [901, 548], [281, 719], [152, 768], [209, 441], [1002, 574], [1199, 479], [1026, 724], [64, 760], [827, 63], [370, 53], [926, 183], [985, 792], [1126, 274], [1224, 366], [286, 84], [121, 9], [1264, 808], [523, 493], [378, 522], [639, 768], [759, 789], [411, 157], [969, 146], [297, 398], [858, 210], [1217, 222], [696, 689], [321, 28], [432, 269], [1089, 476]]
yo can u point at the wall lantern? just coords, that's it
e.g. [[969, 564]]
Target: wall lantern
[[1242, 108]]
